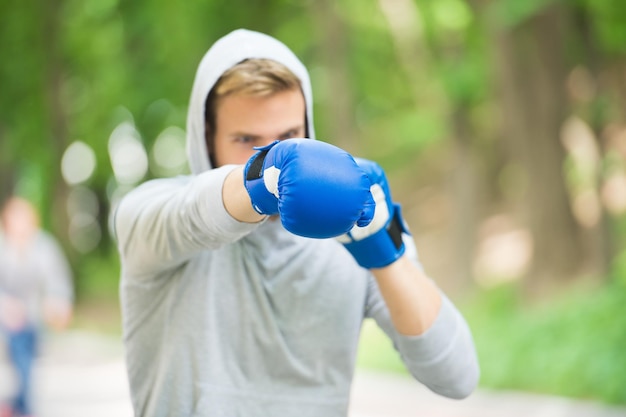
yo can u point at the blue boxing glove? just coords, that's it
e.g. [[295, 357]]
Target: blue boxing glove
[[317, 189], [379, 243]]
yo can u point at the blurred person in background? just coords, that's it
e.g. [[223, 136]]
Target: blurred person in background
[[245, 284], [35, 289]]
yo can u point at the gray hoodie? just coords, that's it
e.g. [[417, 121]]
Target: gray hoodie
[[223, 318]]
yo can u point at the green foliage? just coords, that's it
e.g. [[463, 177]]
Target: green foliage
[[376, 351], [573, 346], [608, 17], [511, 13], [98, 276], [96, 281], [31, 184]]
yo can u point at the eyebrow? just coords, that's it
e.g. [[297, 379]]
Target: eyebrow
[[239, 134], [253, 136]]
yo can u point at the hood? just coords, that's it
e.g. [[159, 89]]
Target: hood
[[228, 51]]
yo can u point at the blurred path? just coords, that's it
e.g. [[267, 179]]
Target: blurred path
[[384, 395], [82, 374], [78, 375]]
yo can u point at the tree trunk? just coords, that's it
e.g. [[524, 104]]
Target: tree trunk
[[338, 105], [7, 170], [600, 243], [531, 73], [465, 197], [462, 187], [56, 119]]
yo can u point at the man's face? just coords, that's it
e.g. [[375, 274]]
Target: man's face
[[244, 122]]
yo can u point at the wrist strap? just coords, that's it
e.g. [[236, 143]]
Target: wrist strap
[[255, 169], [395, 229]]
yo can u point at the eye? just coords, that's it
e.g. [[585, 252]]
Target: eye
[[245, 139]]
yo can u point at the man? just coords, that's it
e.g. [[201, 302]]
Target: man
[[244, 285], [35, 286]]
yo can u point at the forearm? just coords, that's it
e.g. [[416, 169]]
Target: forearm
[[432, 337], [237, 200], [412, 299]]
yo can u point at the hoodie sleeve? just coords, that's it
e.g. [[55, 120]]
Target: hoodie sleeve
[[444, 357], [163, 223]]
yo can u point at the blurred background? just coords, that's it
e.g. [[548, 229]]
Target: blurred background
[[500, 123]]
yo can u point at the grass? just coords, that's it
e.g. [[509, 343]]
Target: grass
[[574, 346]]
